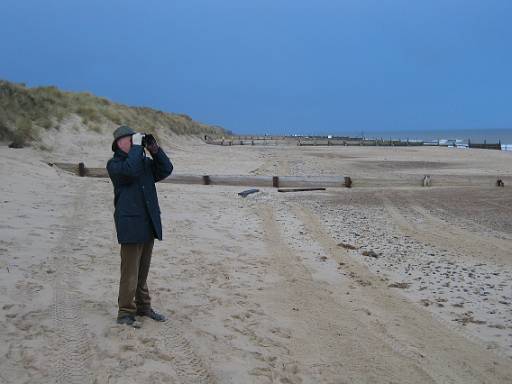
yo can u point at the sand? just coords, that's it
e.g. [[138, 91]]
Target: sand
[[272, 288]]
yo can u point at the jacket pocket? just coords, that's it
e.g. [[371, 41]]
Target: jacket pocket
[[130, 211], [127, 214]]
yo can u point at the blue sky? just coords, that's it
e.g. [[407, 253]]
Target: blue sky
[[275, 66]]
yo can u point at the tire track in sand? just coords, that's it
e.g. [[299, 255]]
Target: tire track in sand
[[72, 352], [186, 363]]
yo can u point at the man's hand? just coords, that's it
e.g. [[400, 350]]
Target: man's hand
[[137, 138], [151, 144]]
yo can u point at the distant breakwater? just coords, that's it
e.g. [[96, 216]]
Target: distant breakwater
[[345, 141]]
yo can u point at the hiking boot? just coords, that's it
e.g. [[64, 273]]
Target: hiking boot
[[128, 320], [151, 314]]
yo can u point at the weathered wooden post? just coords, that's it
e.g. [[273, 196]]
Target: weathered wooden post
[[81, 169]]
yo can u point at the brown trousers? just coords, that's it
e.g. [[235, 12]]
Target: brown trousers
[[135, 261]]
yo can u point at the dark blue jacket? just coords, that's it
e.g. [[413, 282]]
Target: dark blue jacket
[[137, 213]]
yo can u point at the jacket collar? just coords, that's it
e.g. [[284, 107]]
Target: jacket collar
[[119, 153]]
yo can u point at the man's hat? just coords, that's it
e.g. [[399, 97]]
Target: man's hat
[[121, 131]]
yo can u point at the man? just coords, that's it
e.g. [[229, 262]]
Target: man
[[136, 216]]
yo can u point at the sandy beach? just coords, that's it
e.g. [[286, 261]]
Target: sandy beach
[[385, 282]]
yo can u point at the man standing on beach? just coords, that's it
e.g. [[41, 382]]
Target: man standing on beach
[[136, 216]]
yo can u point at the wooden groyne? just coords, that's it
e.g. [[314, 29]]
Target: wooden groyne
[[305, 181], [321, 141], [252, 140], [354, 142], [485, 146], [236, 180], [304, 142]]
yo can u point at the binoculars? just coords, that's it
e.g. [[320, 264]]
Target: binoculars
[[147, 140]]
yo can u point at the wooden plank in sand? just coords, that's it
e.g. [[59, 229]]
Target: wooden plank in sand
[[299, 189], [235, 180]]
